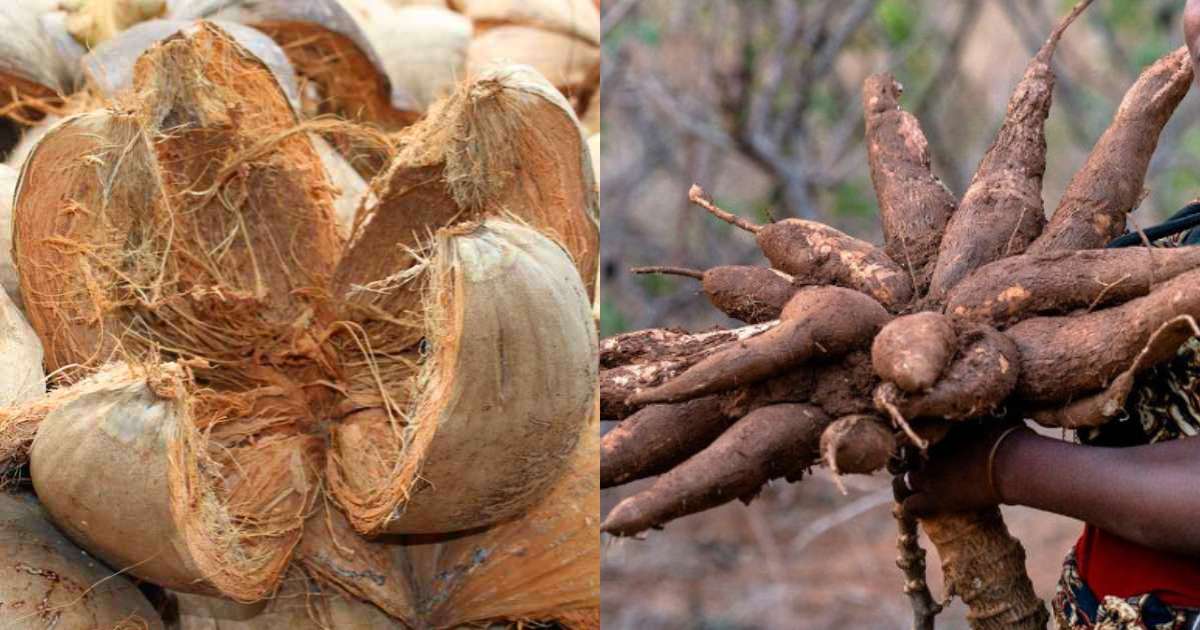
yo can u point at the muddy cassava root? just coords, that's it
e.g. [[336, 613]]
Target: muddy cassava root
[[750, 294], [817, 322], [913, 350], [1109, 185], [1016, 288], [816, 254], [772, 442], [914, 205], [658, 438], [858, 444], [1001, 212]]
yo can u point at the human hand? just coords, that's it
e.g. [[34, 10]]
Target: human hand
[[955, 477]]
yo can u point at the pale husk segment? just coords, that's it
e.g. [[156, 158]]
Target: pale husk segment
[[565, 61], [46, 582], [543, 566], [577, 18], [30, 67], [508, 385], [194, 515]]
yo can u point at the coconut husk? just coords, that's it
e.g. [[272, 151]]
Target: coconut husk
[[424, 48], [300, 605], [564, 60], [543, 566], [92, 22], [506, 144], [33, 77], [109, 66], [327, 48], [8, 270], [192, 221], [29, 139], [488, 282], [350, 190], [153, 474], [577, 18], [46, 582], [591, 113], [594, 149]]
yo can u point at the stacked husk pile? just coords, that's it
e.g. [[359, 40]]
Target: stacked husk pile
[[266, 373], [973, 310]]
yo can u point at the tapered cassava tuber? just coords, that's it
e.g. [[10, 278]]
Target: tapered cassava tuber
[[1109, 185], [1001, 212], [750, 294], [914, 205], [816, 254], [658, 438], [1019, 287], [818, 322], [771, 442]]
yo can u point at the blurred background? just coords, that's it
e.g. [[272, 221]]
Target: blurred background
[[758, 102]]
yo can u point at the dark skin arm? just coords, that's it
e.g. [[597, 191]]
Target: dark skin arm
[[1149, 495]]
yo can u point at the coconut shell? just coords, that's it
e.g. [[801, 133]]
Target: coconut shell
[[105, 199], [577, 18], [488, 282], [300, 605], [109, 66], [131, 467], [565, 61], [29, 139], [326, 47], [46, 582], [423, 48]]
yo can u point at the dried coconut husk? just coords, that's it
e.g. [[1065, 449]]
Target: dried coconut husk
[[47, 582], [506, 144], [21, 376], [326, 47], [33, 77], [8, 270], [109, 66], [594, 150], [507, 383], [92, 22], [193, 221], [591, 113], [300, 605], [152, 474], [543, 566], [423, 48], [577, 18], [350, 190], [564, 60]]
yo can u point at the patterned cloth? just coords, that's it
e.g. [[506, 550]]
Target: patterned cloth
[[1164, 405], [1077, 608]]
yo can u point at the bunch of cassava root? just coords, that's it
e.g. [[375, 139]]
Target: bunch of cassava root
[[264, 394], [973, 309]]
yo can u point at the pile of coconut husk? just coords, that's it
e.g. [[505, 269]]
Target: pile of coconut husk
[[972, 311], [287, 346]]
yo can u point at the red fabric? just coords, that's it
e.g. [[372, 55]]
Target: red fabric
[[1114, 566]]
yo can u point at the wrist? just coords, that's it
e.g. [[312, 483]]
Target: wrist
[[1004, 465]]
